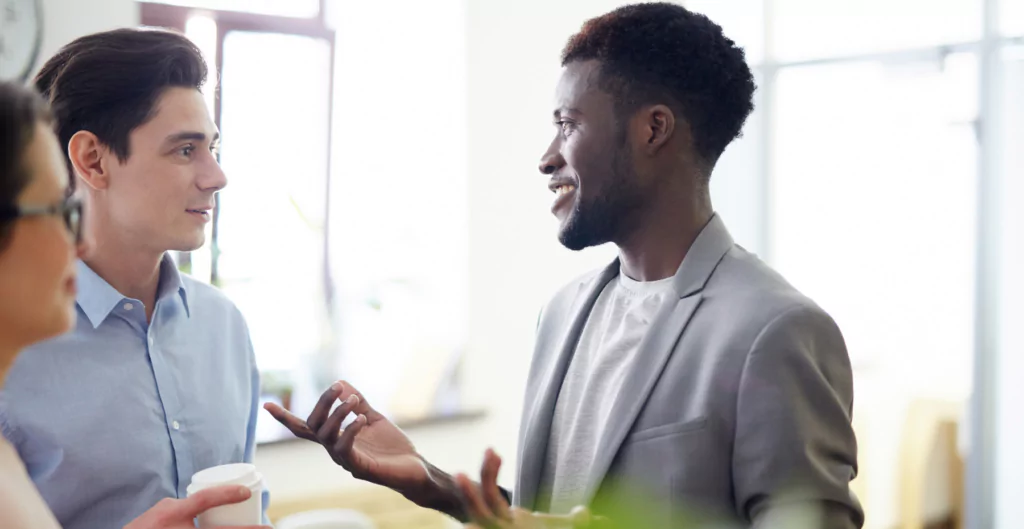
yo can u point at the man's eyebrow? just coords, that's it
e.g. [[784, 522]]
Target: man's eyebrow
[[190, 135], [564, 110]]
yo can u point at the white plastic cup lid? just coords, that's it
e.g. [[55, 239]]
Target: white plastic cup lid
[[232, 474]]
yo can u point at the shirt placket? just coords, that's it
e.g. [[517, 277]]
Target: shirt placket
[[169, 395]]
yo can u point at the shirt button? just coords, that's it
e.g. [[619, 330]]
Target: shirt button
[[128, 306], [175, 425]]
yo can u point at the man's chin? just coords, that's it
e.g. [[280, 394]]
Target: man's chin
[[575, 240], [189, 245]]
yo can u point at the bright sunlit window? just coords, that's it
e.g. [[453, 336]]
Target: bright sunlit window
[[347, 254], [857, 175]]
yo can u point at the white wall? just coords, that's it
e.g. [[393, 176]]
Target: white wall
[[66, 20]]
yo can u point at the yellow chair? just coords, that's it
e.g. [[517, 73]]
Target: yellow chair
[[930, 423]]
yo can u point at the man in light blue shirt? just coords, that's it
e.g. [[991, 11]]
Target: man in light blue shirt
[[158, 379]]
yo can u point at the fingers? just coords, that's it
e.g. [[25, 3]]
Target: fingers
[[207, 499], [489, 485], [362, 407], [476, 508], [343, 446], [523, 519], [328, 433], [296, 425], [323, 406]]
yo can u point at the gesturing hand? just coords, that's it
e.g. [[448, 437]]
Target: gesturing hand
[[372, 448], [486, 506]]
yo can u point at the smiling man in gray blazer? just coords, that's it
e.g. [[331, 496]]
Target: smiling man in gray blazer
[[686, 380]]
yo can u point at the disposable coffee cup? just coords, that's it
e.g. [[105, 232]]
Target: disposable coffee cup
[[248, 512]]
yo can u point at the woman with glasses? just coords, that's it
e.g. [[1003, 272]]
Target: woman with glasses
[[40, 239]]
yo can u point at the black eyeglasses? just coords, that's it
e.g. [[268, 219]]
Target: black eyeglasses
[[70, 210]]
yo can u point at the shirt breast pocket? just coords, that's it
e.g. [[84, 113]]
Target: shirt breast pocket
[[218, 432]]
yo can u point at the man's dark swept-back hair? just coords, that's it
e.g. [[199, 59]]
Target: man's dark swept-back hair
[[109, 83]]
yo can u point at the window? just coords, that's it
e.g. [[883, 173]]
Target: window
[[342, 233], [881, 126], [266, 246], [873, 215], [1011, 18], [812, 29], [857, 174], [399, 220], [271, 231], [1009, 431], [289, 8]]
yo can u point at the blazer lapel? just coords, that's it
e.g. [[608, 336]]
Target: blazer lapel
[[538, 414], [655, 350], [660, 340]]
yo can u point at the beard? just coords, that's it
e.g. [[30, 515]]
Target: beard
[[602, 218]]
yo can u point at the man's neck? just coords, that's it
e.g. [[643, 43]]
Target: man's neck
[[132, 272], [663, 235]]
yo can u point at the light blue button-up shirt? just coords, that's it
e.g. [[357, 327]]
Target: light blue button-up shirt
[[118, 414]]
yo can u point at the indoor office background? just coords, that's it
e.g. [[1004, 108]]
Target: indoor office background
[[385, 221]]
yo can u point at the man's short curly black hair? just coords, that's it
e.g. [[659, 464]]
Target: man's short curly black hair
[[664, 53]]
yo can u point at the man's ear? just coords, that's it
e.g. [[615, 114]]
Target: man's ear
[[90, 159], [658, 125]]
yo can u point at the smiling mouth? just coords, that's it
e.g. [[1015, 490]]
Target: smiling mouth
[[564, 189]]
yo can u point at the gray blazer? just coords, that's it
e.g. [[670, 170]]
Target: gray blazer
[[739, 403]]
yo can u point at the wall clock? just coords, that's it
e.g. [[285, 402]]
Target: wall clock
[[21, 32]]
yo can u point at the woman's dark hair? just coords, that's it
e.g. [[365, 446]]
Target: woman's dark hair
[[21, 110]]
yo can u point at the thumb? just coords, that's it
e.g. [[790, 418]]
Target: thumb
[[207, 499]]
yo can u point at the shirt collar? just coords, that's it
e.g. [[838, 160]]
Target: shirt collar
[[97, 298]]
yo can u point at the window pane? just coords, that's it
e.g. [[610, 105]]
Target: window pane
[[806, 29], [737, 184], [289, 8], [741, 20], [202, 31], [873, 213], [1011, 17], [274, 151], [1009, 363], [399, 211]]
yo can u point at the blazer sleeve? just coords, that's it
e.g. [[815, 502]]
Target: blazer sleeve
[[794, 449]]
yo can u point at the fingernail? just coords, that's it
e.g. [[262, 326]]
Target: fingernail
[[242, 493], [336, 386]]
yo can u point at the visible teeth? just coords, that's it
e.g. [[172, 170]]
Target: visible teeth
[[564, 189]]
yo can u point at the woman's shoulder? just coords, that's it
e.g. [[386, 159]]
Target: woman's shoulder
[[21, 507]]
